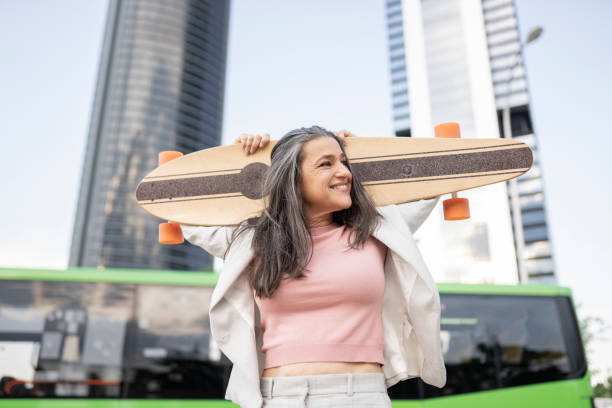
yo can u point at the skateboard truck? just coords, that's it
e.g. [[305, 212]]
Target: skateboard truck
[[455, 208], [169, 233]]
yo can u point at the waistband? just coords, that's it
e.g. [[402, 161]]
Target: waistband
[[346, 383]]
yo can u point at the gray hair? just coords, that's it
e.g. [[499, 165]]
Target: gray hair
[[282, 243]]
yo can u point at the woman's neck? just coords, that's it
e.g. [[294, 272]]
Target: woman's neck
[[319, 220]]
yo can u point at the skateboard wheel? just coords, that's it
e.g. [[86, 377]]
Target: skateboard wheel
[[456, 209], [447, 130], [167, 155], [170, 233]]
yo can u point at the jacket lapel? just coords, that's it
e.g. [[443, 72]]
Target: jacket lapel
[[400, 241]]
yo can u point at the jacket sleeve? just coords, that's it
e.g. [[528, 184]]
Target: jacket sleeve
[[213, 240], [416, 212]]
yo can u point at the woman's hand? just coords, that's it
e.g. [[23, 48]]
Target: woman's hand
[[252, 143], [343, 134]]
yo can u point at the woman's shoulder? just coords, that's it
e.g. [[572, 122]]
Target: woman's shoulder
[[389, 211]]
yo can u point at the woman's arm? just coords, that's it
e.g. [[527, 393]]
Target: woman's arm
[[216, 240], [416, 212], [213, 240]]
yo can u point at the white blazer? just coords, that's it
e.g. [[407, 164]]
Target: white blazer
[[411, 305]]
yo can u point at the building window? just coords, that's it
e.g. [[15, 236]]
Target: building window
[[520, 121], [403, 133]]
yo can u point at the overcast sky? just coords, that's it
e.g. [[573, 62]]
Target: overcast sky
[[293, 64]]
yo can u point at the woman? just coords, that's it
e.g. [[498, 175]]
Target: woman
[[338, 286]]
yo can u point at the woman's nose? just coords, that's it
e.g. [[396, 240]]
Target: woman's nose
[[342, 171]]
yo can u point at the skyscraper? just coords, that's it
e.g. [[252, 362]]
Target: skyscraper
[[461, 61], [160, 87]]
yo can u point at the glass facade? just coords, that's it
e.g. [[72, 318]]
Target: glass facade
[[450, 65], [399, 72], [160, 87]]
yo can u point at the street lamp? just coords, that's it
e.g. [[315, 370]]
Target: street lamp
[[534, 34]]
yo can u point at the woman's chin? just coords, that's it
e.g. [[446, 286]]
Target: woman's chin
[[345, 205]]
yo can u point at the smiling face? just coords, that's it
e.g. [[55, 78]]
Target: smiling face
[[325, 182]]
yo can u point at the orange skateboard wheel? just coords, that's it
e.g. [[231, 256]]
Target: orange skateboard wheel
[[447, 130], [167, 155], [456, 209], [170, 233]]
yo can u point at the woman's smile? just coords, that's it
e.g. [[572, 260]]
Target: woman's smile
[[340, 187]]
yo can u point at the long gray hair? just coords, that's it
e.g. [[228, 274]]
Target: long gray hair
[[282, 243]]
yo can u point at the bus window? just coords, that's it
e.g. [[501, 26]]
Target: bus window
[[172, 354], [107, 340], [70, 337]]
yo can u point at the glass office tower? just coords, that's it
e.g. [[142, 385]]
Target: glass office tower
[[461, 61], [160, 87]]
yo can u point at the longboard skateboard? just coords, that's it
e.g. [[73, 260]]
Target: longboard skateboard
[[221, 185]]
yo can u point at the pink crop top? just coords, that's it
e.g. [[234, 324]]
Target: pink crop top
[[335, 312]]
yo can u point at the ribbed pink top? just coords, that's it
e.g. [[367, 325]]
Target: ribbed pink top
[[335, 312]]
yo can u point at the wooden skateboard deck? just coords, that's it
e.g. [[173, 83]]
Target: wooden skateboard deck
[[221, 185]]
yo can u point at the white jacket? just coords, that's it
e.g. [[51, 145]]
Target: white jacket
[[411, 305]]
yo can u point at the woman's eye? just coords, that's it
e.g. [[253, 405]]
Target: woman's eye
[[325, 163], [345, 162]]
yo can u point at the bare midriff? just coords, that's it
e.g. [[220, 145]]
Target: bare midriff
[[322, 367]]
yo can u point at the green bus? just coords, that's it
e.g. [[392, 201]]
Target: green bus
[[140, 338]]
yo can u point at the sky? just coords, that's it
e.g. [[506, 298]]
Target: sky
[[294, 64]]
